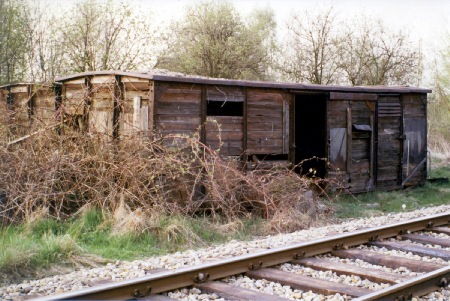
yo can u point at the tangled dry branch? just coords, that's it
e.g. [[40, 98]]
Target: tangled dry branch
[[64, 173]]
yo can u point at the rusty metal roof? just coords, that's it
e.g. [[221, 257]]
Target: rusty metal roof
[[296, 87]]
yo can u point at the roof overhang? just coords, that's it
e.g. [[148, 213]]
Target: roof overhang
[[292, 87]]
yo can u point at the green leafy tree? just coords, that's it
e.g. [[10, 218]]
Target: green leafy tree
[[13, 40], [213, 40]]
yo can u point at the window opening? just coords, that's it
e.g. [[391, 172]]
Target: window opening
[[224, 108]]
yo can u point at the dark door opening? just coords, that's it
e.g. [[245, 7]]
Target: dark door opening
[[310, 134]]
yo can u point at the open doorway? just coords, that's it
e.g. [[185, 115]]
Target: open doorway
[[310, 134]]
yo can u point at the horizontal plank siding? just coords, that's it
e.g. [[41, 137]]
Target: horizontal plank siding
[[265, 122], [225, 133], [74, 98], [43, 106], [177, 109]]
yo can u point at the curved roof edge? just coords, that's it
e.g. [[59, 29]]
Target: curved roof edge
[[178, 77], [47, 84]]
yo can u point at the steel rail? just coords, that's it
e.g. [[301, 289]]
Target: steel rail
[[417, 286], [170, 280]]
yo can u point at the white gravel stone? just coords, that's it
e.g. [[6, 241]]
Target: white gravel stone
[[123, 270]]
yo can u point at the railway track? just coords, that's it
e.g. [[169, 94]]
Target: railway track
[[414, 236]]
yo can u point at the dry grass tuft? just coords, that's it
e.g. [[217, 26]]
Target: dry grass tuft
[[229, 227], [127, 221], [440, 152], [37, 215], [297, 212], [177, 231]]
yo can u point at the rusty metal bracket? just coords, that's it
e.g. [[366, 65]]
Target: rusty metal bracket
[[201, 277], [443, 282], [299, 255], [137, 293], [403, 298], [373, 238], [338, 247], [403, 231], [252, 266]]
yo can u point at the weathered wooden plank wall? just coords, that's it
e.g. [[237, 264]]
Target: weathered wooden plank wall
[[20, 108], [136, 108], [361, 154], [390, 143], [351, 149], [266, 125], [415, 143], [224, 126], [102, 104], [43, 106], [177, 109], [74, 97], [376, 141]]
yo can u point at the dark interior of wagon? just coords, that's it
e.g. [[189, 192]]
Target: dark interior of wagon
[[310, 134]]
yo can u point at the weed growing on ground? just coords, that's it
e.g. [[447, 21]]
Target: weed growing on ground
[[377, 203]]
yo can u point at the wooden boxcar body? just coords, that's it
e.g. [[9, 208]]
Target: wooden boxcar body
[[27, 106], [368, 138]]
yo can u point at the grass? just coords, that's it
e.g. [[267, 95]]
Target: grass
[[45, 243], [377, 203], [94, 236]]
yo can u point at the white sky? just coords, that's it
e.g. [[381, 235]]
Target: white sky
[[423, 20]]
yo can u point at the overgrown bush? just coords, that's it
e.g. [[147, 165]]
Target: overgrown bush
[[65, 173]]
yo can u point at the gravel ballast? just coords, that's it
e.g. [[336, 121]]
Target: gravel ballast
[[122, 270]]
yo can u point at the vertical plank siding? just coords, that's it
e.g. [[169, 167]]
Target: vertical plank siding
[[415, 143], [390, 143], [134, 119], [361, 177], [351, 166]]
